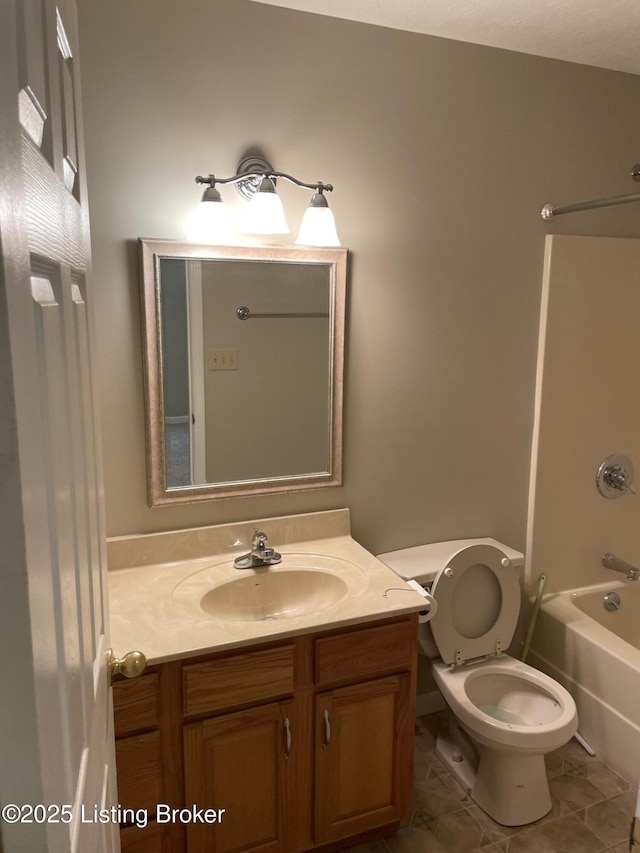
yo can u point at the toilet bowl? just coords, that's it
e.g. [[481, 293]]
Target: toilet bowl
[[507, 715]]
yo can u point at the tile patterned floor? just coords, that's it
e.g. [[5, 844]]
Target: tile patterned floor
[[591, 812]]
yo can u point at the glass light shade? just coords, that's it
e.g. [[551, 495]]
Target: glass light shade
[[318, 228], [210, 222], [266, 214]]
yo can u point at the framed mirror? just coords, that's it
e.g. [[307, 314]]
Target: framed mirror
[[243, 368]]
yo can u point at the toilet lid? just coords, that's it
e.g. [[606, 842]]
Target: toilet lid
[[478, 595]]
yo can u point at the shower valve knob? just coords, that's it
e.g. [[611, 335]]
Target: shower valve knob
[[615, 476]]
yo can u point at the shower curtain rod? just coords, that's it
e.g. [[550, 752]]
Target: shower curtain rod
[[549, 211], [243, 313]]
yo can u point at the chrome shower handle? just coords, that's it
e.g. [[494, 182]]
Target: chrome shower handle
[[615, 476]]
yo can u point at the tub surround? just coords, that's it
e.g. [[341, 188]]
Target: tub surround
[[576, 643], [586, 409], [156, 582]]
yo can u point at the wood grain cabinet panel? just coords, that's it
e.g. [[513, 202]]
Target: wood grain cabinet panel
[[363, 757], [136, 840], [238, 762], [236, 680], [135, 704], [148, 722], [365, 652], [139, 770]]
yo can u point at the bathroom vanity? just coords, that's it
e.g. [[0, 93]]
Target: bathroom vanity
[[301, 742], [295, 732]]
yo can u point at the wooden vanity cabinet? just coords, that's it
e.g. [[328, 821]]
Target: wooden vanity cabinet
[[148, 726], [364, 727], [238, 759], [238, 762], [304, 743], [363, 747]]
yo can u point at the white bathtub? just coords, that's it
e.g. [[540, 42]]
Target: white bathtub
[[596, 656]]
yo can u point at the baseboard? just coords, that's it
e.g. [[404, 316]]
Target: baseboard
[[429, 703]]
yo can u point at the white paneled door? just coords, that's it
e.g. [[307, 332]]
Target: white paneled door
[[56, 732]]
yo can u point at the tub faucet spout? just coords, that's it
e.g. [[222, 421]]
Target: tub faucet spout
[[610, 561]]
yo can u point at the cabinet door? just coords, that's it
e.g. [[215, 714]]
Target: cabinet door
[[139, 764], [364, 757], [238, 762], [151, 839]]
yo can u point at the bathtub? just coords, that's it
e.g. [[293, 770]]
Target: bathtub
[[595, 654]]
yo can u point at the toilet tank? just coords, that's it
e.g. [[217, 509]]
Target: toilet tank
[[423, 562]]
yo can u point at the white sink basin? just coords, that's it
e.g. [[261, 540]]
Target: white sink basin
[[267, 594], [302, 584]]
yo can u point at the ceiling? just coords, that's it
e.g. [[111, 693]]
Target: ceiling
[[604, 33]]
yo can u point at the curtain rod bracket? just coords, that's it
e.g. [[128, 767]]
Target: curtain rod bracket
[[547, 212]]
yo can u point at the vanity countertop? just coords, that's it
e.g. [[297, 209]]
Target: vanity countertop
[[155, 606]]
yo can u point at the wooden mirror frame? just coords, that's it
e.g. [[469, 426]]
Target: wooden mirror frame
[[151, 251]]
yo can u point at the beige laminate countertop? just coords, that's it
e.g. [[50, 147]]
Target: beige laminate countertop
[[155, 608]]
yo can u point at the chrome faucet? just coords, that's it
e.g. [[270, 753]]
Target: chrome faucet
[[610, 561], [259, 556]]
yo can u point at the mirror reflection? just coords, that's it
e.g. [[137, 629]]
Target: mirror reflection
[[262, 397], [248, 344]]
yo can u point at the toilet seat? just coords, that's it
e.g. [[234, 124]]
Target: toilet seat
[[551, 712], [505, 714], [478, 595]]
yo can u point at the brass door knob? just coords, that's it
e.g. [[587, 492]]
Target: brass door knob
[[130, 665]]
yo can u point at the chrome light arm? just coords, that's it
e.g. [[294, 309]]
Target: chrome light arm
[[211, 180], [250, 173]]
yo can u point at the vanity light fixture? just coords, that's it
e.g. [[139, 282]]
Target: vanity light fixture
[[210, 220], [255, 180]]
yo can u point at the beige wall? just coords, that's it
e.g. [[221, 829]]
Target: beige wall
[[441, 154], [588, 407]]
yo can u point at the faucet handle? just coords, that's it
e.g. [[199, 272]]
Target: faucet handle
[[259, 539]]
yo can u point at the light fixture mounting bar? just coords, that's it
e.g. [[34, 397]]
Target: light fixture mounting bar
[[211, 180], [319, 186]]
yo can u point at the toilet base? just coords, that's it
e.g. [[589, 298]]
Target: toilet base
[[511, 788], [458, 758]]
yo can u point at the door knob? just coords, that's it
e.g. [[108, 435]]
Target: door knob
[[130, 665]]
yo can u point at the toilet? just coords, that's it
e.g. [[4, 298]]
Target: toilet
[[506, 714]]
